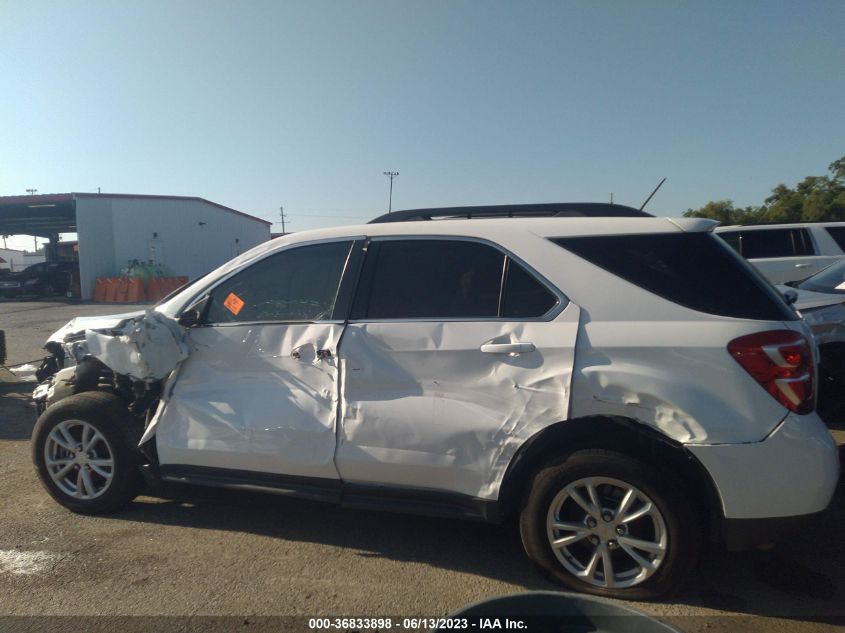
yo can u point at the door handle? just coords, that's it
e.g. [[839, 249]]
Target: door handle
[[321, 354], [507, 348], [803, 265]]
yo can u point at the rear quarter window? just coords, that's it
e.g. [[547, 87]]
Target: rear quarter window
[[694, 270]]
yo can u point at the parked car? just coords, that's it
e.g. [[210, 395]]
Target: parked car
[[788, 252], [44, 279], [820, 299], [586, 377]]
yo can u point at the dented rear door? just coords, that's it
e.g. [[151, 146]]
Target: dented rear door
[[456, 354]]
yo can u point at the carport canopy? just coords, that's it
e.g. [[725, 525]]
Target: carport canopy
[[42, 216]]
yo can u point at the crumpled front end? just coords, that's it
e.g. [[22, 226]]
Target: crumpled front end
[[128, 354]]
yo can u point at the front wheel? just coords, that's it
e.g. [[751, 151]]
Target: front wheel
[[608, 524], [84, 450]]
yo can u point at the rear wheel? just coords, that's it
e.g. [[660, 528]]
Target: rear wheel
[[608, 524], [84, 449]]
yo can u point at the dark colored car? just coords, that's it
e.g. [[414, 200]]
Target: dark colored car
[[45, 279]]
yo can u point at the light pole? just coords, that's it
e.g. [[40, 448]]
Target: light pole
[[32, 192], [391, 175], [284, 218]]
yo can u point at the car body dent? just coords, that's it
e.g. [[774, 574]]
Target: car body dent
[[254, 397], [632, 372], [80, 325], [147, 348], [423, 406]]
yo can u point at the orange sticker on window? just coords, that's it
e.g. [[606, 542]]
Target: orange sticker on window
[[233, 303]]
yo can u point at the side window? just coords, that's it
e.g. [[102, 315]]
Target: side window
[[420, 279], [299, 284], [524, 297], [838, 235], [732, 238], [776, 243]]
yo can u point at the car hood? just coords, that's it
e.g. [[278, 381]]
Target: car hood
[[19, 276], [79, 325], [807, 299]]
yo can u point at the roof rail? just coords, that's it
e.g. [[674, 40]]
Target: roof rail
[[546, 210]]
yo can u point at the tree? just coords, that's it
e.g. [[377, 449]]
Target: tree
[[725, 212], [814, 199]]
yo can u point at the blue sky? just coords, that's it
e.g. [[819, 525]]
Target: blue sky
[[305, 104]]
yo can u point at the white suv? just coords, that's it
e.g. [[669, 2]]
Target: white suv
[[587, 376], [788, 252]]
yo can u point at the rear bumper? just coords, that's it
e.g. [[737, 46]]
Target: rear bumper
[[793, 472]]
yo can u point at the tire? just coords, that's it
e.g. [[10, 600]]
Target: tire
[[585, 541], [100, 418]]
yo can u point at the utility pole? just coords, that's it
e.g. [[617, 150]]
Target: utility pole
[[391, 175], [284, 218], [32, 192]]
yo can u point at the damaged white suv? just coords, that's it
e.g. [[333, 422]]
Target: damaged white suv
[[627, 388]]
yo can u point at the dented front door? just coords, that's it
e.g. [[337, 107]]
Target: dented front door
[[258, 391]]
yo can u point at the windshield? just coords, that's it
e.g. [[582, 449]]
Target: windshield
[[830, 279]]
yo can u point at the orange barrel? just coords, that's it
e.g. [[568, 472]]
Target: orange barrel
[[135, 291], [154, 289], [100, 289], [111, 289], [122, 289]]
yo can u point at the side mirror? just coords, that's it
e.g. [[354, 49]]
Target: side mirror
[[790, 296], [195, 314]]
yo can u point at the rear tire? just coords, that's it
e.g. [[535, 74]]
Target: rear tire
[[84, 449], [595, 511]]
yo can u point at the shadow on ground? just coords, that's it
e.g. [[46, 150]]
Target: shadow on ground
[[794, 579], [17, 415]]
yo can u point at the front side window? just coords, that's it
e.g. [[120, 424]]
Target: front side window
[[298, 284], [447, 279]]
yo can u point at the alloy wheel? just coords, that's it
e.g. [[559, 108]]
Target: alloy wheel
[[606, 532], [79, 459]]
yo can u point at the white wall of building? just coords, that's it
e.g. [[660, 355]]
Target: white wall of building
[[190, 237]]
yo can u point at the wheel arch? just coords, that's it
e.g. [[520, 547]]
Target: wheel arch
[[624, 435]]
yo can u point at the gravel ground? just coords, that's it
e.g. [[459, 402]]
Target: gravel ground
[[196, 553]]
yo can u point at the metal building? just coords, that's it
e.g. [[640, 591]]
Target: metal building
[[187, 235]]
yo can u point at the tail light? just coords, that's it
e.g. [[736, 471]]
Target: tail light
[[782, 362]]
